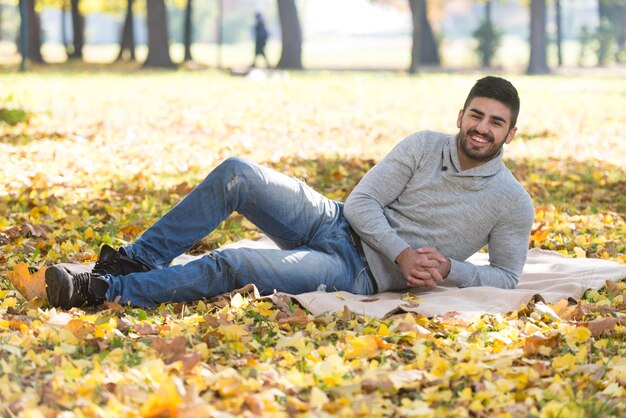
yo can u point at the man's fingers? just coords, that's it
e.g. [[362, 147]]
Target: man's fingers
[[434, 273], [432, 254], [431, 263], [420, 274], [426, 283]]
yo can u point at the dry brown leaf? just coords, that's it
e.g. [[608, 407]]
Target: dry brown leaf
[[30, 286], [124, 324], [539, 344], [170, 351], [190, 360], [114, 306], [612, 289], [372, 385], [578, 312], [80, 328], [297, 318], [345, 315], [36, 230], [255, 404], [130, 231], [601, 326], [144, 328]]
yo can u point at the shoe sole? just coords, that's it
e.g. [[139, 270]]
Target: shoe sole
[[58, 285]]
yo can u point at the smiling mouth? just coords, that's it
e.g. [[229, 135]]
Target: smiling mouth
[[476, 137]]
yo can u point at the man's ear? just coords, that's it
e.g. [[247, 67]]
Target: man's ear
[[510, 135], [459, 118]]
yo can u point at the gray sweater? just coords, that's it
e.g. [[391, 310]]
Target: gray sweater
[[419, 196]]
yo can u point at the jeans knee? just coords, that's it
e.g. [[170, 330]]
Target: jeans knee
[[235, 164]]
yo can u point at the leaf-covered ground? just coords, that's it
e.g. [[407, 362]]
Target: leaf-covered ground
[[97, 157]]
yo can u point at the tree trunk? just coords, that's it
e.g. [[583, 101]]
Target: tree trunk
[[614, 12], [486, 58], [158, 40], [127, 39], [538, 63], [33, 29], [559, 33], [187, 31], [429, 52], [416, 16], [64, 40], [78, 31], [291, 35], [220, 32]]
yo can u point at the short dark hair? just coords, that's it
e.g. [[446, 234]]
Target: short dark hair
[[498, 89]]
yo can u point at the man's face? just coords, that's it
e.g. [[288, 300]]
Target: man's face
[[484, 127]]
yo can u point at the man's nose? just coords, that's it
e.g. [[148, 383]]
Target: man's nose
[[483, 126]]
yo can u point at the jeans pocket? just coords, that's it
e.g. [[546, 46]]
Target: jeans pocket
[[363, 283]]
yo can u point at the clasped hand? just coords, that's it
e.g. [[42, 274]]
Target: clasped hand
[[423, 267]]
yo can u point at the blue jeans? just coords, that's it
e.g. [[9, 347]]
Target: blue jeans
[[315, 246]]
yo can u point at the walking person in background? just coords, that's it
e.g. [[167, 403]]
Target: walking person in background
[[260, 39]]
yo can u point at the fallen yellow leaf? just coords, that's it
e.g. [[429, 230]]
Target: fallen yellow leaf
[[30, 286]]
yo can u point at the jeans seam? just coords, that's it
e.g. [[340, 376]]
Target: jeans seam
[[301, 241]]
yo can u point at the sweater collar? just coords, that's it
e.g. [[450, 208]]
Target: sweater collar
[[487, 169]]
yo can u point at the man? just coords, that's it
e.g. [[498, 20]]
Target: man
[[414, 218]]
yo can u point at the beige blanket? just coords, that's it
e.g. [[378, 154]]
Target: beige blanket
[[546, 273]]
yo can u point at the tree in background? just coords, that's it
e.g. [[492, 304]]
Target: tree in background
[[585, 38], [604, 41], [538, 63], [127, 37], [429, 51], [291, 36], [158, 39], [613, 13], [187, 31], [559, 32], [488, 36], [424, 45], [78, 31], [416, 7], [33, 29]]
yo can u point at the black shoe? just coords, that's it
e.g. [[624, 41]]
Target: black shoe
[[116, 263], [68, 290]]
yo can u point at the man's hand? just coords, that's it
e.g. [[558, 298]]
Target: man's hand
[[420, 270], [434, 254]]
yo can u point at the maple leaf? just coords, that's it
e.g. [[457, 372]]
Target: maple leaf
[[299, 317], [29, 285]]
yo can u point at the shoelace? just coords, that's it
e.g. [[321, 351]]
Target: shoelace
[[102, 264], [81, 285]]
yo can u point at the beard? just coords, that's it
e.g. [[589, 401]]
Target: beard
[[478, 153]]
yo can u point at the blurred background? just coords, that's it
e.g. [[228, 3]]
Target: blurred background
[[530, 36]]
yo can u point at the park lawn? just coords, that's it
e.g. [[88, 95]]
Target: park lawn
[[100, 155]]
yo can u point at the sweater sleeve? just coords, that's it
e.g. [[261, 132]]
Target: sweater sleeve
[[365, 207], [508, 248]]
